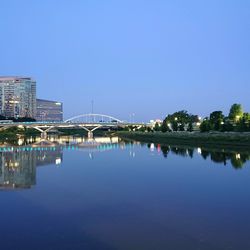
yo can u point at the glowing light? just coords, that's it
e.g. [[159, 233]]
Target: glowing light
[[58, 161], [152, 147], [20, 142], [199, 150]]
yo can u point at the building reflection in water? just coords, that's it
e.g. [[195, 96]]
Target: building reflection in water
[[18, 167], [18, 161]]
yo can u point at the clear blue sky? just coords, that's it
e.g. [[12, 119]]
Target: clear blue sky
[[146, 57]]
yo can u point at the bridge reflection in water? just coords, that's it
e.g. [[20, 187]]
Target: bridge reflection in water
[[18, 161]]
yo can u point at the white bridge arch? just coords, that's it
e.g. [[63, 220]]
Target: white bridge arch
[[93, 118], [88, 122], [91, 122]]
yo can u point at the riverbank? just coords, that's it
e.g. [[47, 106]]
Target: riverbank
[[15, 132], [215, 139]]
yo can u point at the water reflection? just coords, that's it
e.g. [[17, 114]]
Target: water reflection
[[19, 159], [18, 167], [237, 158], [128, 198]]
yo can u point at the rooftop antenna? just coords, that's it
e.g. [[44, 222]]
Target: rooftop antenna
[[92, 107]]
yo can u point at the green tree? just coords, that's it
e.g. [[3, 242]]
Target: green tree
[[194, 118], [180, 119], [175, 126], [164, 127], [243, 124], [142, 129], [180, 116], [181, 127], [157, 127], [205, 126], [236, 112], [216, 120], [148, 129], [190, 127], [227, 126], [126, 128]]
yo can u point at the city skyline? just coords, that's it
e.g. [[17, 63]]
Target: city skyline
[[135, 57]]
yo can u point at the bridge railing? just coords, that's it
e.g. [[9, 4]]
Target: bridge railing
[[94, 118]]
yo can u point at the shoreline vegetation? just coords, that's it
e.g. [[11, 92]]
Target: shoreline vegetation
[[195, 139], [182, 128]]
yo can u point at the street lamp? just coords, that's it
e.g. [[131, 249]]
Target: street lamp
[[131, 116]]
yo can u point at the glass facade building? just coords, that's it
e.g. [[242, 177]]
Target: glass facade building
[[49, 110], [17, 97]]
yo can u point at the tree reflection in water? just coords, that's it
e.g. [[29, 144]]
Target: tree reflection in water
[[236, 158]]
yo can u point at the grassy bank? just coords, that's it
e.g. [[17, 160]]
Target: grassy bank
[[232, 139]]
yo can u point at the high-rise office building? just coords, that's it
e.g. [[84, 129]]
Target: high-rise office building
[[17, 97], [49, 110]]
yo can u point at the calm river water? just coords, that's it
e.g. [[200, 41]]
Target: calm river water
[[69, 193]]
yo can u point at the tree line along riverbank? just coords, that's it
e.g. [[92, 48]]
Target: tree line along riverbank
[[213, 139], [235, 121], [184, 128]]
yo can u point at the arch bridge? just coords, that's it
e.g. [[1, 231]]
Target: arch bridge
[[88, 122], [91, 122]]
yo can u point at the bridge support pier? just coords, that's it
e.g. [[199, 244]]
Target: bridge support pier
[[90, 135], [44, 135], [90, 131]]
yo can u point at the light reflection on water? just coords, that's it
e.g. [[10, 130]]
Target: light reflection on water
[[19, 161], [105, 193]]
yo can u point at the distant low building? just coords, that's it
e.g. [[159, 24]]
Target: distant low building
[[153, 122], [49, 110]]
